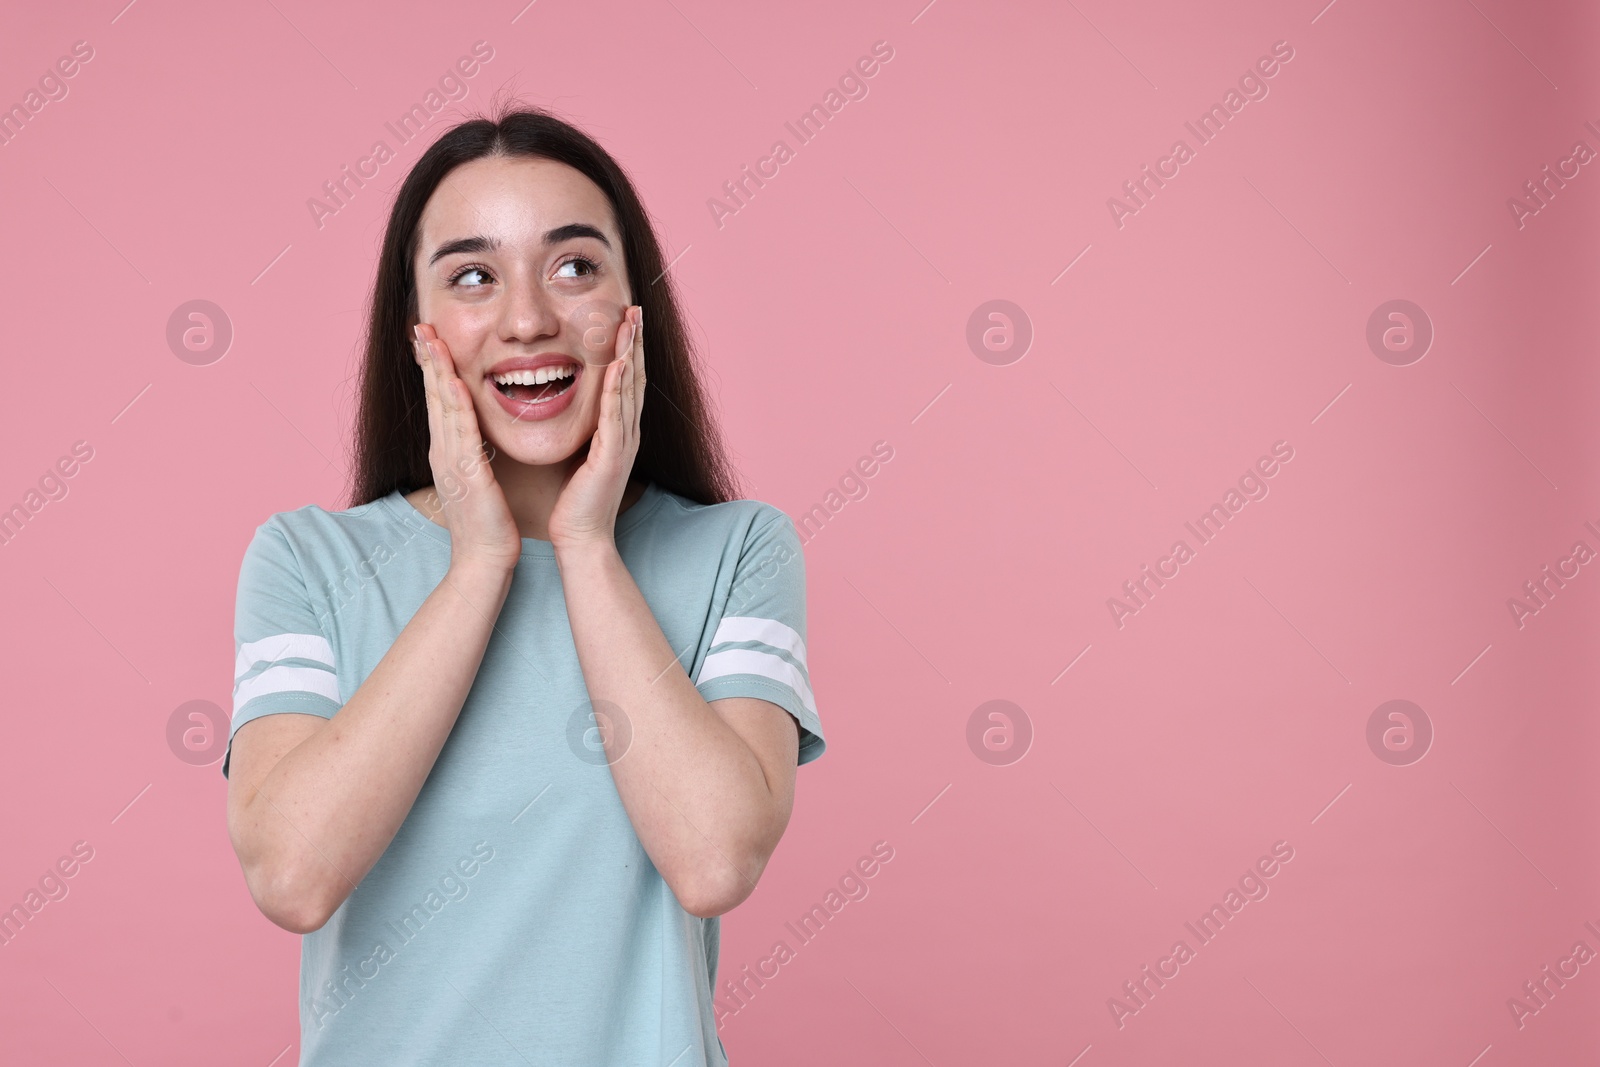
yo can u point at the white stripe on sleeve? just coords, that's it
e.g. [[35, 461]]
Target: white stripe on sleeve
[[767, 631], [765, 664], [282, 646], [287, 680]]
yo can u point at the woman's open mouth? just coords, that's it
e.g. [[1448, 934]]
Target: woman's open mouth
[[537, 394]]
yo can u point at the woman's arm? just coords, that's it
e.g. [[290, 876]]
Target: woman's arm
[[313, 802], [708, 789]]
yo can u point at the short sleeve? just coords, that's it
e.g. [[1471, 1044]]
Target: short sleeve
[[759, 647], [282, 659]]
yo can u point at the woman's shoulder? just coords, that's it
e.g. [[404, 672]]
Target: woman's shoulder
[[744, 514], [311, 514], [311, 524]]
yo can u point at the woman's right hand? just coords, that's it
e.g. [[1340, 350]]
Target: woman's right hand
[[482, 528]]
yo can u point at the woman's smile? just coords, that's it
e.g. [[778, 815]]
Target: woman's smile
[[535, 387]]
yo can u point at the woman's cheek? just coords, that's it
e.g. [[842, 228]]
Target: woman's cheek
[[464, 330], [592, 403]]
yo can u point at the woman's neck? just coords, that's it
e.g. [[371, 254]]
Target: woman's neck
[[531, 493]]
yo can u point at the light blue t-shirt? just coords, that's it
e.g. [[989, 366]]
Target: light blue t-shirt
[[516, 918]]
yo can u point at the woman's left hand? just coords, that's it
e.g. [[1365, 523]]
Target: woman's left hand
[[586, 510]]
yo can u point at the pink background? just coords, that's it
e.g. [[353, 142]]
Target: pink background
[[1229, 313]]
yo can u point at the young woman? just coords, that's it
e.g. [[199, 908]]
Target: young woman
[[515, 728]]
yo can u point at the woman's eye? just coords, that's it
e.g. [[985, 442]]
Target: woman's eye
[[464, 278], [588, 265]]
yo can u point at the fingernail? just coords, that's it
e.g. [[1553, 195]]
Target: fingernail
[[416, 331]]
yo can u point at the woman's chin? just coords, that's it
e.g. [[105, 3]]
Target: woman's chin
[[536, 457], [536, 446]]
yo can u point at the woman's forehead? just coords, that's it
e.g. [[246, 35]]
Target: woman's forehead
[[515, 200]]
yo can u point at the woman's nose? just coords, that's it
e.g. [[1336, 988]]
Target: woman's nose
[[529, 313]]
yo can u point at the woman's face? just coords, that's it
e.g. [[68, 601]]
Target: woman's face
[[519, 263]]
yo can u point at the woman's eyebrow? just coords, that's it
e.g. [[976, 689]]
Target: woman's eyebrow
[[575, 229], [488, 244], [463, 244]]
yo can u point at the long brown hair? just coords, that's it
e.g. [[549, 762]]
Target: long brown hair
[[679, 445]]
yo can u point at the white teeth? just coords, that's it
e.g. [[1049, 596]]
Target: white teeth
[[534, 377]]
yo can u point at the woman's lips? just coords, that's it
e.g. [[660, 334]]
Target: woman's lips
[[546, 409]]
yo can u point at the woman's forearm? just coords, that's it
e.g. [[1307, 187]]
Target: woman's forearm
[[328, 809], [695, 792]]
